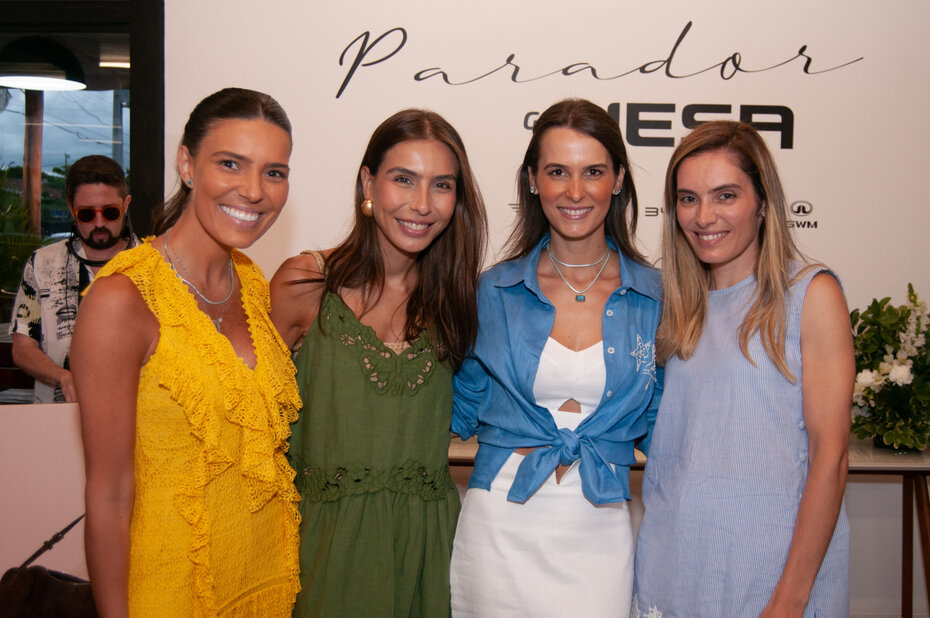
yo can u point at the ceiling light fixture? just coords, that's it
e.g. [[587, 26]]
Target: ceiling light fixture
[[40, 63]]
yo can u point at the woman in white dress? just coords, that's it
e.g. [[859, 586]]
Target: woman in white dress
[[559, 386]]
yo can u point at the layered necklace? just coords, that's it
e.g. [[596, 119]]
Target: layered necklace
[[579, 294], [217, 322]]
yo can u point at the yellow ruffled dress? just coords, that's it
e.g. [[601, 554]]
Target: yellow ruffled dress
[[214, 528]]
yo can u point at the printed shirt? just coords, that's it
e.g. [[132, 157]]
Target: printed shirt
[[494, 387], [47, 302]]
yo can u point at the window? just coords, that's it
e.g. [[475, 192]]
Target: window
[[74, 124], [120, 107]]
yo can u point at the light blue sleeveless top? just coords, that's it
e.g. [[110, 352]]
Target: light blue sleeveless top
[[726, 470]]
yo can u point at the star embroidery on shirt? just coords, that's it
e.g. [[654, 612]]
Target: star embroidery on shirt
[[645, 355]]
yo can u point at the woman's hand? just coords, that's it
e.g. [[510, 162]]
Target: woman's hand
[[775, 609]]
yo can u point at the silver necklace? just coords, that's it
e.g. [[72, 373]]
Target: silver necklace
[[567, 265], [217, 322], [579, 294]]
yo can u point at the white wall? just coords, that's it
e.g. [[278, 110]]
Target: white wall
[[858, 129], [873, 504], [42, 480]]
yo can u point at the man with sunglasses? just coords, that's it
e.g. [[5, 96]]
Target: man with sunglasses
[[55, 275]]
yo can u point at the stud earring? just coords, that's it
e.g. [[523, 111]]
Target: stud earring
[[190, 183], [367, 208], [532, 189], [618, 191]]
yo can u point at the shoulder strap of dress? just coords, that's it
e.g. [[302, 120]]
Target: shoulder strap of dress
[[318, 256], [802, 280]]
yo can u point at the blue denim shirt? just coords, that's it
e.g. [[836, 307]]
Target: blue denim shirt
[[493, 394]]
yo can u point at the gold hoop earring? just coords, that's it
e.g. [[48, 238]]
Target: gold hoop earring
[[367, 208]]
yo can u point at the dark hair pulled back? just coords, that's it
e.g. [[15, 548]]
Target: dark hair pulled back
[[225, 104]]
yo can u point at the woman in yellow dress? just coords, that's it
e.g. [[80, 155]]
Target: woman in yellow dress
[[187, 391]]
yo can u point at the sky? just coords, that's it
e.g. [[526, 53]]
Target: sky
[[77, 124]]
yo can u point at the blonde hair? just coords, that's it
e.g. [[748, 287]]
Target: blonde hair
[[686, 280]]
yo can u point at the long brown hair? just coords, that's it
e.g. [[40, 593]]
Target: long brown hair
[[585, 117], [224, 104], [443, 300], [686, 280]]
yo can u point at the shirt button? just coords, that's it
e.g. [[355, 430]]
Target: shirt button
[[622, 292], [610, 312], [610, 350], [801, 425], [610, 393], [803, 457]]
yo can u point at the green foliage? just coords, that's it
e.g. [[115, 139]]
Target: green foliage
[[16, 241], [892, 393], [875, 327]]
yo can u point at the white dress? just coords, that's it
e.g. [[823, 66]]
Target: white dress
[[557, 554]]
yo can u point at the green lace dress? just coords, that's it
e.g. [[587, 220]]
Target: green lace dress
[[379, 506]]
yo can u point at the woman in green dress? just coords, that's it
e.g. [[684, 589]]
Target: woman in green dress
[[380, 324]]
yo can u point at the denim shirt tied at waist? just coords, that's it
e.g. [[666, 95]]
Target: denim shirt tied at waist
[[493, 390]]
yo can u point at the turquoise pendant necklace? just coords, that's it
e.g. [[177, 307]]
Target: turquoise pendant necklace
[[579, 294]]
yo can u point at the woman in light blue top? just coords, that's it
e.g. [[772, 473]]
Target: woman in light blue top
[[560, 384], [744, 484]]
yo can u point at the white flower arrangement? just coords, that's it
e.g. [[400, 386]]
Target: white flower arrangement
[[891, 397]]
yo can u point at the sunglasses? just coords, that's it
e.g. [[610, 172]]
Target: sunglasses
[[88, 213]]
